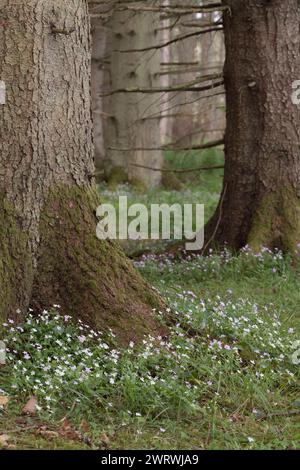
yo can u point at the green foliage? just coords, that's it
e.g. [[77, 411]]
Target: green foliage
[[211, 179]]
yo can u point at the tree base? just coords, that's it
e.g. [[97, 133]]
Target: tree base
[[91, 280], [274, 223]]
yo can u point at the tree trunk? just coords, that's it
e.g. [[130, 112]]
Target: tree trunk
[[183, 124], [100, 75], [260, 203], [127, 126], [49, 252], [165, 81], [211, 109]]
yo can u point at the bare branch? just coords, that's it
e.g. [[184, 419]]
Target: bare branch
[[172, 41], [186, 170], [208, 145], [184, 87]]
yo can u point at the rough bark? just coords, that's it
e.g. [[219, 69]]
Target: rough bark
[[49, 249], [126, 126], [260, 203]]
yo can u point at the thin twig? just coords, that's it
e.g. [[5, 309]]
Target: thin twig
[[218, 222], [208, 145], [187, 170]]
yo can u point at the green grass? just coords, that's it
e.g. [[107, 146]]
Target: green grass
[[209, 181]]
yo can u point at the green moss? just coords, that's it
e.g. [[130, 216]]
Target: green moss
[[290, 209], [170, 181], [90, 278], [15, 262], [276, 223], [117, 176], [138, 186], [262, 223]]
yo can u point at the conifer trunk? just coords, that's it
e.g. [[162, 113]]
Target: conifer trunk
[[49, 252]]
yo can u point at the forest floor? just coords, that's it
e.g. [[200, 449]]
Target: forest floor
[[227, 377]]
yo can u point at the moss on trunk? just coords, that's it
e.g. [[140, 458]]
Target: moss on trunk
[[16, 271], [91, 279], [276, 222], [49, 252]]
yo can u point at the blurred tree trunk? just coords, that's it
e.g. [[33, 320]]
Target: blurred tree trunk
[[100, 73], [49, 252], [165, 123], [183, 124], [211, 121], [260, 204], [196, 117], [128, 127]]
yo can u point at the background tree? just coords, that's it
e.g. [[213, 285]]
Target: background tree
[[49, 252], [99, 82], [126, 130], [211, 55], [260, 203]]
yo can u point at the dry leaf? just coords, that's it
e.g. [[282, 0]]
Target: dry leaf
[[68, 432], [48, 433], [84, 425], [3, 400], [104, 439], [65, 424], [30, 407], [4, 438]]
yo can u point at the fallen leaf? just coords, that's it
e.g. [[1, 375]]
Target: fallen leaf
[[104, 439], [48, 433], [68, 432], [65, 425], [4, 438], [30, 407], [84, 425], [3, 400]]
